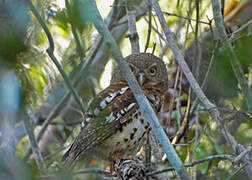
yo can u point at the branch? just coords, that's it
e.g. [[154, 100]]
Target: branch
[[38, 156], [179, 57], [93, 170], [198, 53], [238, 73], [187, 18], [56, 111], [79, 42], [242, 154], [145, 107], [233, 58], [241, 29], [237, 170], [133, 36], [96, 60], [149, 29], [206, 77], [209, 158], [214, 112], [50, 52]]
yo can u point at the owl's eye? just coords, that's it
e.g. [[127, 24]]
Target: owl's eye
[[153, 70]]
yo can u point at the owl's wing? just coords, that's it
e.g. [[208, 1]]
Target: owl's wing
[[107, 113]]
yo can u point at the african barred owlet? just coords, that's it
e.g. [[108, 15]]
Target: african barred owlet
[[114, 126]]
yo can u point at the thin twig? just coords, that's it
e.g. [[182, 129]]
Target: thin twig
[[198, 139], [149, 29], [168, 121], [239, 76], [179, 57], [180, 75], [241, 29], [237, 171], [97, 57], [38, 156], [214, 112], [233, 58], [203, 85], [50, 52], [100, 173], [197, 54], [187, 18], [60, 106], [209, 158], [79, 42], [155, 29], [133, 36], [145, 107], [154, 48], [93, 170], [160, 34], [97, 54], [242, 154], [183, 127], [56, 111], [57, 151]]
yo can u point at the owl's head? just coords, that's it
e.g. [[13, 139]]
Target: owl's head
[[148, 69]]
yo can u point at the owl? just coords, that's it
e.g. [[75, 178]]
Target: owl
[[113, 126]]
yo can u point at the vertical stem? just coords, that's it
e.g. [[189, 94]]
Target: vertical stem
[[145, 107], [133, 36], [149, 29], [233, 58], [50, 52], [38, 156], [77, 37], [214, 112], [197, 55]]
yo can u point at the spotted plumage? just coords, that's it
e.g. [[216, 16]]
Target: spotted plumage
[[114, 126]]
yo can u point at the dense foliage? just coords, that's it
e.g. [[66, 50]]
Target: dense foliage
[[32, 88]]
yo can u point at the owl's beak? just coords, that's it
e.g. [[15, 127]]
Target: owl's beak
[[141, 79]]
